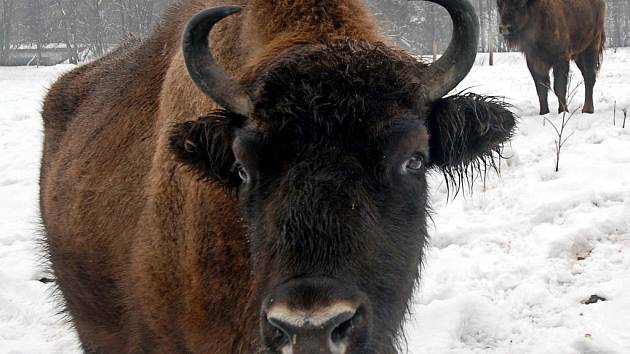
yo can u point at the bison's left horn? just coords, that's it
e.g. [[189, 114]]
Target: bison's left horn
[[202, 68], [455, 64]]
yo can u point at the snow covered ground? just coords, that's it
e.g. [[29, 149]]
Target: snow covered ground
[[508, 267]]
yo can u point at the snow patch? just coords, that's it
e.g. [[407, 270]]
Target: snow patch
[[507, 269]]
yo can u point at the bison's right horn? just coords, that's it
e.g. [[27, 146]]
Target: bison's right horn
[[202, 68], [443, 75]]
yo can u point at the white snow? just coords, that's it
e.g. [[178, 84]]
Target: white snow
[[507, 269], [502, 273], [28, 320]]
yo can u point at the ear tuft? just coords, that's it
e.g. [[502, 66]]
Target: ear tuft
[[465, 132], [205, 146]]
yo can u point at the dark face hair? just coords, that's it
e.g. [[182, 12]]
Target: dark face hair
[[331, 167], [514, 15]]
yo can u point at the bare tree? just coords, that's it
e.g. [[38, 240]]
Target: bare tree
[[68, 15], [616, 18], [8, 13], [90, 28], [624, 14], [95, 28], [36, 29], [491, 33], [482, 24], [561, 137]]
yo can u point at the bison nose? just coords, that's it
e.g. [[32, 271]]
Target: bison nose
[[316, 315], [331, 329]]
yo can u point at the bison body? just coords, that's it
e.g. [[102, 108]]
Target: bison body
[[551, 33], [263, 195]]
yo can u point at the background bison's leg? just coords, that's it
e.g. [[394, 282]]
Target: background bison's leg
[[560, 78], [540, 73], [587, 62]]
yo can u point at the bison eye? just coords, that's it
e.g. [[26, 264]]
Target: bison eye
[[242, 173], [414, 164]]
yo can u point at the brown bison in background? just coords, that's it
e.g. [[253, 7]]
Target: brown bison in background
[[551, 33], [263, 191]]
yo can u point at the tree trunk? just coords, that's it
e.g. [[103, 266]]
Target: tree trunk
[[617, 24], [148, 15], [482, 26], [69, 20], [96, 29], [433, 39], [8, 10], [627, 25], [124, 29], [37, 27], [74, 30]]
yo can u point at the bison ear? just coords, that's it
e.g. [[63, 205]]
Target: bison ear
[[466, 129], [205, 146]]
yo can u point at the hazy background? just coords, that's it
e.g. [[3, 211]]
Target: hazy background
[[53, 31]]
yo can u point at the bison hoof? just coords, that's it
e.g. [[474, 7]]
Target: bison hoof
[[589, 110], [543, 111]]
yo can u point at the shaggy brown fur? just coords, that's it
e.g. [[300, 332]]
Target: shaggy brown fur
[[553, 32], [155, 257], [130, 186]]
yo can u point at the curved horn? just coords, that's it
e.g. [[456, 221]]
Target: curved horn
[[460, 55], [202, 68]]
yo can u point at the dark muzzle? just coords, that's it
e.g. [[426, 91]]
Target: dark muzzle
[[315, 315]]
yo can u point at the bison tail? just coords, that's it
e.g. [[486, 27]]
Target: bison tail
[[601, 20], [602, 46]]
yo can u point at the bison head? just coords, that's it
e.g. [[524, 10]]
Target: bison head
[[328, 147], [514, 17]]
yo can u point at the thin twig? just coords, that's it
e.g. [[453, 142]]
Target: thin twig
[[559, 142]]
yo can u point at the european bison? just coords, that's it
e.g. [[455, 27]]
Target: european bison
[[289, 215], [551, 33]]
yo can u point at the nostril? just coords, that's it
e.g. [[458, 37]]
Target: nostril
[[350, 327], [342, 331], [275, 334]]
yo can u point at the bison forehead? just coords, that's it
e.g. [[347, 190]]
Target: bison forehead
[[335, 86]]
